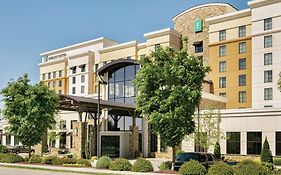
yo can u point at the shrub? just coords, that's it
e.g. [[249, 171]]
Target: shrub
[[277, 161], [165, 166], [103, 162], [249, 167], [217, 151], [266, 155], [83, 162], [142, 165], [120, 164], [52, 160], [3, 149], [192, 167], [35, 159], [68, 160], [10, 158], [221, 169]]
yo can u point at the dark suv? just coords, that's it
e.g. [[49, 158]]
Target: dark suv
[[206, 159]]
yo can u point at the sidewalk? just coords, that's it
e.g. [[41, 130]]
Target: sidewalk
[[76, 170]]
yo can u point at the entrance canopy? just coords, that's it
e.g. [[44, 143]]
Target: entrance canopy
[[90, 105]]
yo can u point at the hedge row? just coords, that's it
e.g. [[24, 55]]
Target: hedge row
[[121, 164]]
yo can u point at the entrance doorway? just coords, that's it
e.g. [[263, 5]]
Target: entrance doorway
[[110, 146]]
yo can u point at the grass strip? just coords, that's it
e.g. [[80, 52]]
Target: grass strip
[[46, 169]]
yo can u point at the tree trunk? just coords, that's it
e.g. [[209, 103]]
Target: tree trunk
[[174, 153], [29, 151]]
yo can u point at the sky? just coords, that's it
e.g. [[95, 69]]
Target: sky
[[30, 27]]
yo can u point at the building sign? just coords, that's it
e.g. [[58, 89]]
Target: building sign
[[198, 26], [53, 57]]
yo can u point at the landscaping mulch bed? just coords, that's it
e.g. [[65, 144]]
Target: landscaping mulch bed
[[167, 172]]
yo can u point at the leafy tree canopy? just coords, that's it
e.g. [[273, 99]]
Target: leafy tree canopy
[[29, 109], [169, 90]]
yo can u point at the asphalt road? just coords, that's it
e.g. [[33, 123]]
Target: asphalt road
[[19, 171]]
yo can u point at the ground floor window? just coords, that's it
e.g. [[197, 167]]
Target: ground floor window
[[8, 140], [110, 146], [278, 143], [163, 147], [16, 141], [233, 143], [254, 142], [153, 142], [63, 140], [140, 142]]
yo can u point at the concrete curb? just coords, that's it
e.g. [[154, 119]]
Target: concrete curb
[[74, 169]]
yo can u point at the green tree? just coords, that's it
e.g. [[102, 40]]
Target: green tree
[[217, 151], [209, 127], [169, 90], [29, 109], [266, 155]]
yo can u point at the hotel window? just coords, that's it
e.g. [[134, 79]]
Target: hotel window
[[233, 143], [242, 31], [49, 75], [198, 47], [222, 82], [222, 51], [222, 35], [63, 125], [82, 78], [268, 24], [268, 59], [242, 80], [8, 140], [254, 142], [268, 76], [278, 143], [268, 94], [83, 68], [242, 96], [60, 73], [54, 84], [222, 94], [49, 84], [60, 83], [242, 47], [222, 66], [157, 46], [268, 41], [43, 77], [54, 75], [82, 89], [73, 80], [73, 70], [73, 90], [242, 63]]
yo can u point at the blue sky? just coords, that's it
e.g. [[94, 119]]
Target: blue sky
[[30, 27]]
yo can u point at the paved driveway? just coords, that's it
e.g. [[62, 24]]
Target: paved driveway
[[18, 171]]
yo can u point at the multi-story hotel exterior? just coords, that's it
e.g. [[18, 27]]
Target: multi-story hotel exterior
[[230, 57], [239, 46]]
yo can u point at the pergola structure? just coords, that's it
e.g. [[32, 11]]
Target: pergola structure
[[92, 108]]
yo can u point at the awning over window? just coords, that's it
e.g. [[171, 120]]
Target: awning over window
[[115, 65]]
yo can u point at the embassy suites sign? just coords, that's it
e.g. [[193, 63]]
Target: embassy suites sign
[[54, 57]]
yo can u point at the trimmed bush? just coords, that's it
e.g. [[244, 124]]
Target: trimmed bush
[[142, 165], [120, 164], [52, 160], [277, 161], [217, 151], [221, 169], [165, 166], [249, 167], [103, 162], [192, 167], [266, 155], [68, 160], [83, 162], [10, 158], [3, 149], [35, 159]]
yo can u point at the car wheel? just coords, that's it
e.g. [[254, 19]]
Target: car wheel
[[17, 152]]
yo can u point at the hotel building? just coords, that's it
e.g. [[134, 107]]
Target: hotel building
[[239, 46]]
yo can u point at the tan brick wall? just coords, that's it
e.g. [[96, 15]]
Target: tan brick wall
[[185, 25]]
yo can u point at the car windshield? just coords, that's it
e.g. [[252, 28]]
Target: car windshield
[[188, 156]]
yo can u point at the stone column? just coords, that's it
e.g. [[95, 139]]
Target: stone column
[[79, 138], [134, 138], [145, 138]]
